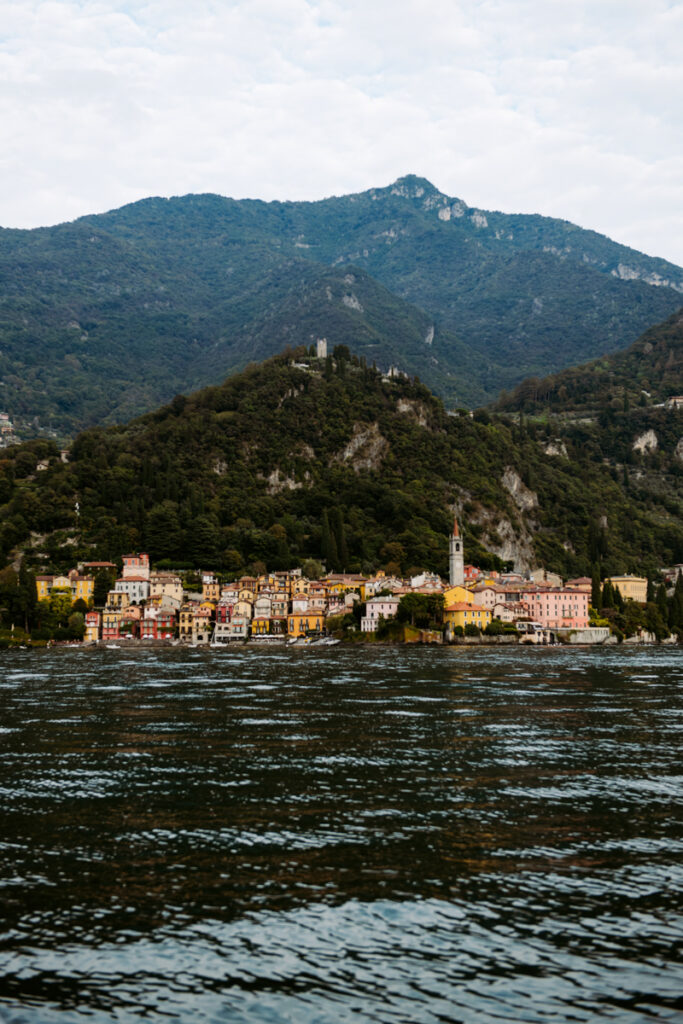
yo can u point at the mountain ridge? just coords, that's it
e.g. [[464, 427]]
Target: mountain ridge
[[113, 313]]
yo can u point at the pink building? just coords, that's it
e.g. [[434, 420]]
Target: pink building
[[558, 607], [157, 624], [378, 607], [135, 567]]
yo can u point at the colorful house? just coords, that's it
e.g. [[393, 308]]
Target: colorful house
[[92, 627], [303, 623], [558, 607], [111, 621], [631, 588], [458, 595], [136, 566], [460, 613], [157, 624], [378, 608]]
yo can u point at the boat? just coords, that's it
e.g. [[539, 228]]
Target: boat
[[113, 647]]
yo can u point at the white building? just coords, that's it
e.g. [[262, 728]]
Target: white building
[[137, 588]]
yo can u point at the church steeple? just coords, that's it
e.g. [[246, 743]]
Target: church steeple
[[456, 558]]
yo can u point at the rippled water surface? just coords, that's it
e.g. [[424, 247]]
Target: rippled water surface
[[325, 836]]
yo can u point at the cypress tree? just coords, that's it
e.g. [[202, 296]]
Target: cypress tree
[[676, 606], [328, 545], [340, 537], [28, 597], [607, 595], [662, 602], [596, 593]]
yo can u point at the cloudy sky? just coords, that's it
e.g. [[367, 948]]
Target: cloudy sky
[[572, 109]]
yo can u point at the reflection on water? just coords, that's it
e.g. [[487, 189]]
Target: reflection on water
[[329, 836]]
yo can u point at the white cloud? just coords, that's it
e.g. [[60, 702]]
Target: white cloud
[[571, 110]]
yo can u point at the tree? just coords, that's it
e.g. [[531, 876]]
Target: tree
[[337, 525], [76, 625], [676, 606], [312, 569], [662, 602], [104, 581], [163, 534], [28, 596], [203, 541], [596, 592], [328, 545]]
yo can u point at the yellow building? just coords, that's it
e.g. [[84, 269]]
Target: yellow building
[[111, 619], [82, 587], [118, 599], [457, 595], [185, 620], [211, 590], [303, 623], [260, 627], [631, 588], [79, 586], [462, 614]]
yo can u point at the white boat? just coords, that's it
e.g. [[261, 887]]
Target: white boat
[[112, 647]]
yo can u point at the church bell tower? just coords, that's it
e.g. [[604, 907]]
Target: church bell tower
[[456, 558]]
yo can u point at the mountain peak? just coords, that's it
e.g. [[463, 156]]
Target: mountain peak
[[413, 187]]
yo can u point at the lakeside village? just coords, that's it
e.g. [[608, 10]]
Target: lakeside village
[[472, 607]]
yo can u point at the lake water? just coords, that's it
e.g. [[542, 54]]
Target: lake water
[[323, 836]]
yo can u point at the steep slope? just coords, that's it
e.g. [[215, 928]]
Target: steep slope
[[107, 316], [618, 410], [251, 471]]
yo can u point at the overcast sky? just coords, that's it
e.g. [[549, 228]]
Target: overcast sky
[[562, 107]]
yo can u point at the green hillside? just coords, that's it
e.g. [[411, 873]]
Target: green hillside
[[112, 314], [266, 467], [617, 410], [645, 375]]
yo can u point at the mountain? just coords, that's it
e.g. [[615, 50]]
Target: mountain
[[622, 411], [107, 316], [267, 466], [645, 375]]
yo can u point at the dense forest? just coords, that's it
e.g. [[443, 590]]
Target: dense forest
[[302, 458], [644, 376], [111, 315]]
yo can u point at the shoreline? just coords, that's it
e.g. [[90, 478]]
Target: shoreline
[[345, 644]]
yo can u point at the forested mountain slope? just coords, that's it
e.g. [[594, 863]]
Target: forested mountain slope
[[112, 314], [257, 469]]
